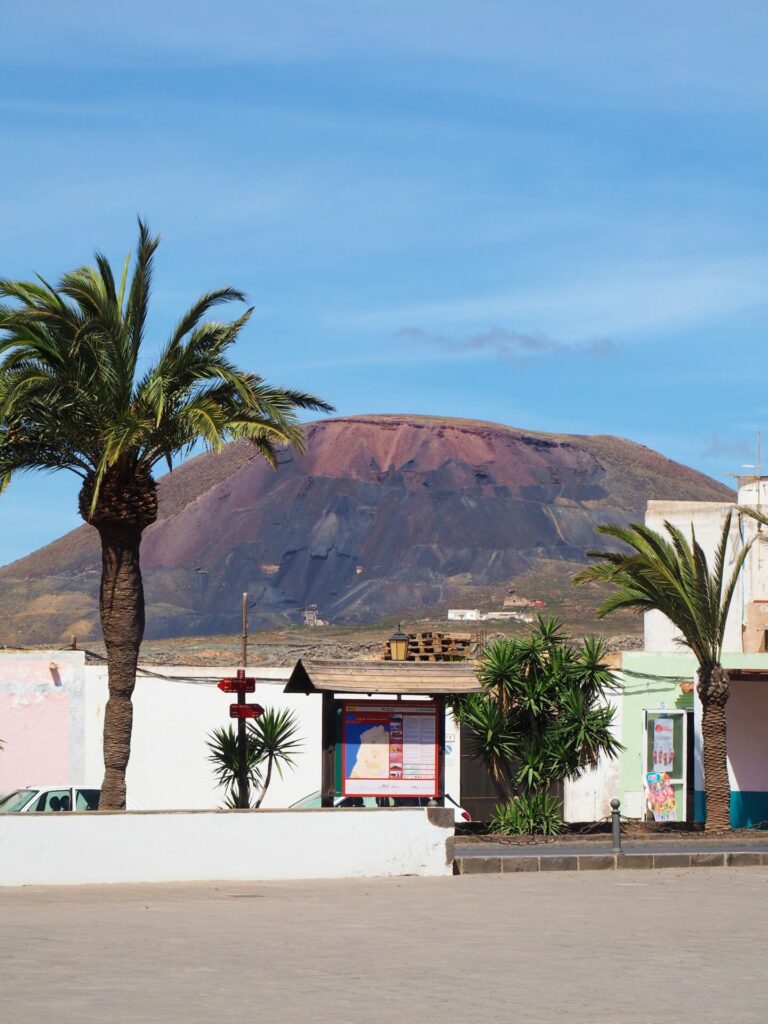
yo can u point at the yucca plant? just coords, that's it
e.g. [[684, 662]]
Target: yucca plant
[[670, 574], [223, 755], [543, 717], [75, 394], [272, 742], [276, 739], [529, 814]]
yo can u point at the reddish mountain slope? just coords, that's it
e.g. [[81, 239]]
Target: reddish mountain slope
[[382, 514]]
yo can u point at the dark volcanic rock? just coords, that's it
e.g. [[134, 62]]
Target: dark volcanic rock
[[382, 514]]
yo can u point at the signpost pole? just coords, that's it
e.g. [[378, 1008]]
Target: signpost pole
[[242, 753], [242, 765], [242, 710]]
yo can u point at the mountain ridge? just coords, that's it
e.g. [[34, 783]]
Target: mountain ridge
[[382, 514]]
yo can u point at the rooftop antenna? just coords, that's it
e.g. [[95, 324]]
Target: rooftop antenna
[[757, 478]]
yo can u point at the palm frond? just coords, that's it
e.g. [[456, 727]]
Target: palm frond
[[670, 574]]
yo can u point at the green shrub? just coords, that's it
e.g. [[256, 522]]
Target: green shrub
[[527, 815]]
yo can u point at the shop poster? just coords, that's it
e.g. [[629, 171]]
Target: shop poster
[[663, 744], [661, 796]]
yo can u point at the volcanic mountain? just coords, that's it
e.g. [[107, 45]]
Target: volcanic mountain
[[381, 515]]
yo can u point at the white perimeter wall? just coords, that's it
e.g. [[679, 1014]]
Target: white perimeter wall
[[88, 848]]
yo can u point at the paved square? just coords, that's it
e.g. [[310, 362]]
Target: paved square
[[639, 947]]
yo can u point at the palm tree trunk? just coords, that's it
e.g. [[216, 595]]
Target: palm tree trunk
[[122, 621], [714, 689]]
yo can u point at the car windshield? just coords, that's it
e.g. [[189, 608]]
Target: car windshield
[[16, 800], [313, 800]]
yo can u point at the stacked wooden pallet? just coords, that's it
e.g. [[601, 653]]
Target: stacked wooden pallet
[[435, 646]]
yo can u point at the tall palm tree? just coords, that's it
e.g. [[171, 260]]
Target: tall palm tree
[[671, 575], [74, 396]]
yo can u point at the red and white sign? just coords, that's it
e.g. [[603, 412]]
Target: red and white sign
[[245, 710], [244, 685]]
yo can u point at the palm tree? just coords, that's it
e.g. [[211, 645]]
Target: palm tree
[[73, 396], [671, 575]]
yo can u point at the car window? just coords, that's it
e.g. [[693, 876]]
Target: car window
[[16, 800], [313, 800], [54, 800], [87, 799]]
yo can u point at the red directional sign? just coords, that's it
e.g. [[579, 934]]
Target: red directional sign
[[244, 685], [245, 710]]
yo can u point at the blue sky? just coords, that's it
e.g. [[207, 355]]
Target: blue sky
[[548, 214]]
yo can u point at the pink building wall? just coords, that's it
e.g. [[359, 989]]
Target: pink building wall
[[41, 718], [747, 711]]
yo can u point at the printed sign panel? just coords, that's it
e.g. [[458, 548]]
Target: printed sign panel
[[389, 749], [663, 744], [661, 796]]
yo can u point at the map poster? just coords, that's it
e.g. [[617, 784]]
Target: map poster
[[661, 796], [663, 744], [390, 749]]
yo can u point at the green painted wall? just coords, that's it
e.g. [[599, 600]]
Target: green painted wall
[[650, 681]]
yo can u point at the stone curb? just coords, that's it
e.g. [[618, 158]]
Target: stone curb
[[606, 862]]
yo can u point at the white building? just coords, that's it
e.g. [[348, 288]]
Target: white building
[[464, 614], [748, 618]]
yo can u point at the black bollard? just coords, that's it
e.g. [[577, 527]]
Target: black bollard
[[616, 825]]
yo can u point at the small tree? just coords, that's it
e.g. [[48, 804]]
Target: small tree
[[272, 741], [543, 717]]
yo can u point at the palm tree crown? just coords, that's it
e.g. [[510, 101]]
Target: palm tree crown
[[673, 577], [72, 396]]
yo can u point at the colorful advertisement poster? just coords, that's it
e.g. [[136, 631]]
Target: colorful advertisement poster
[[389, 749], [661, 796], [663, 744]]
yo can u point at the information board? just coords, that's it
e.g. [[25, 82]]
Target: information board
[[389, 749]]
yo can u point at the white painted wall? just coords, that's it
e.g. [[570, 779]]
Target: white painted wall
[[172, 719], [588, 798], [88, 848]]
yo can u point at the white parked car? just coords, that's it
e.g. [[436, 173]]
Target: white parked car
[[34, 799], [313, 800]]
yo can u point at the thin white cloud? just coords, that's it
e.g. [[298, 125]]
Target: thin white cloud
[[503, 343]]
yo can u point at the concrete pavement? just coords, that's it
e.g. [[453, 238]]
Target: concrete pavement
[[597, 948]]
